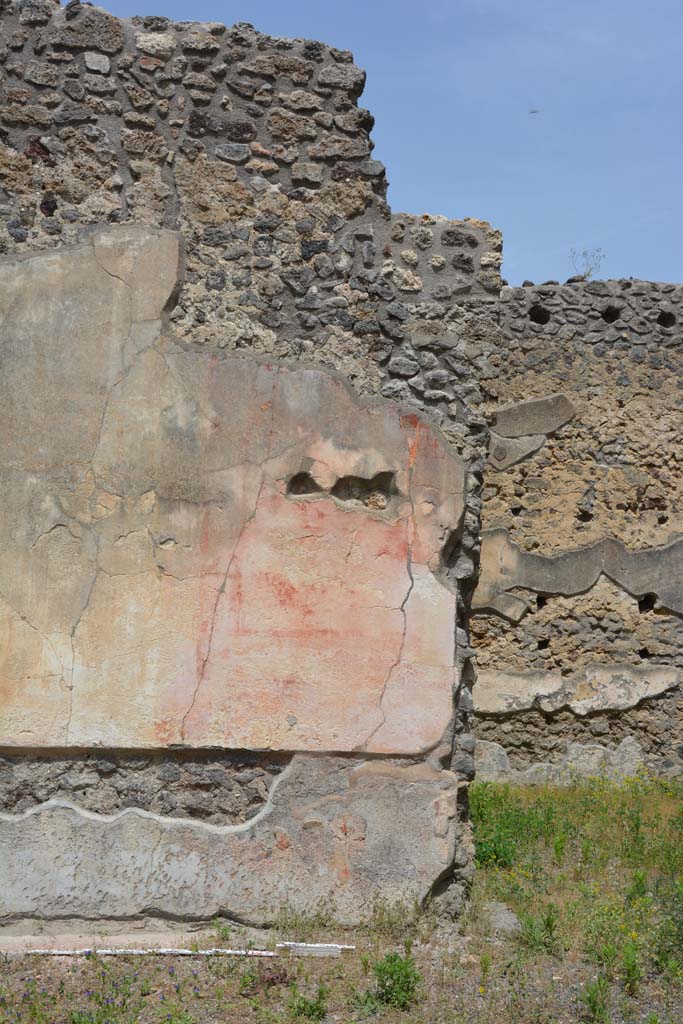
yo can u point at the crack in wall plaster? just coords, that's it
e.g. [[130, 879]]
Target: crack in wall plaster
[[360, 449], [399, 656], [219, 594], [221, 589], [409, 570]]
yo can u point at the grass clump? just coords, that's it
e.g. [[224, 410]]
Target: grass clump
[[302, 1007], [397, 980], [595, 999], [540, 931]]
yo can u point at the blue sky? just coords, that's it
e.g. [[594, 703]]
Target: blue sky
[[451, 84]]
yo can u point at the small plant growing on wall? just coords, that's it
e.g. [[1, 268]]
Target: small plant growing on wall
[[586, 262]]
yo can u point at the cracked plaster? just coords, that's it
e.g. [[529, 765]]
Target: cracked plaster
[[505, 567], [321, 839], [160, 585]]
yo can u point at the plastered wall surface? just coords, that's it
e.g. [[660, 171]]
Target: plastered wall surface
[[260, 572]]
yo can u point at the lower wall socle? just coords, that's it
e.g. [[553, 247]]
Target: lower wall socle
[[335, 834]]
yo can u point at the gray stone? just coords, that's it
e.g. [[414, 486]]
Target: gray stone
[[41, 74], [93, 29], [233, 152], [503, 923], [306, 173], [536, 416], [505, 451], [156, 44], [346, 76], [35, 12], [403, 366], [97, 62]]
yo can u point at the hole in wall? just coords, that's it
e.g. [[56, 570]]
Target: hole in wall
[[644, 653], [666, 318], [303, 483], [543, 645], [647, 602], [541, 600], [539, 314], [663, 518], [516, 510], [450, 550], [610, 314], [463, 263], [454, 237], [375, 492], [584, 517]]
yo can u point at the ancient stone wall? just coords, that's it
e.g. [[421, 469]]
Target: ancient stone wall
[[578, 610], [252, 427], [218, 566]]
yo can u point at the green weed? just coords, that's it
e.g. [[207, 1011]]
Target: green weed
[[540, 931], [396, 983], [223, 930], [608, 956], [485, 962], [302, 1007], [595, 999], [631, 966]]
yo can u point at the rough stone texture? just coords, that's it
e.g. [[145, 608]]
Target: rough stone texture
[[537, 416], [527, 737], [276, 264], [581, 575], [567, 634], [505, 452], [502, 922], [597, 688], [613, 470], [254, 150], [221, 788], [581, 761], [564, 402], [505, 567]]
